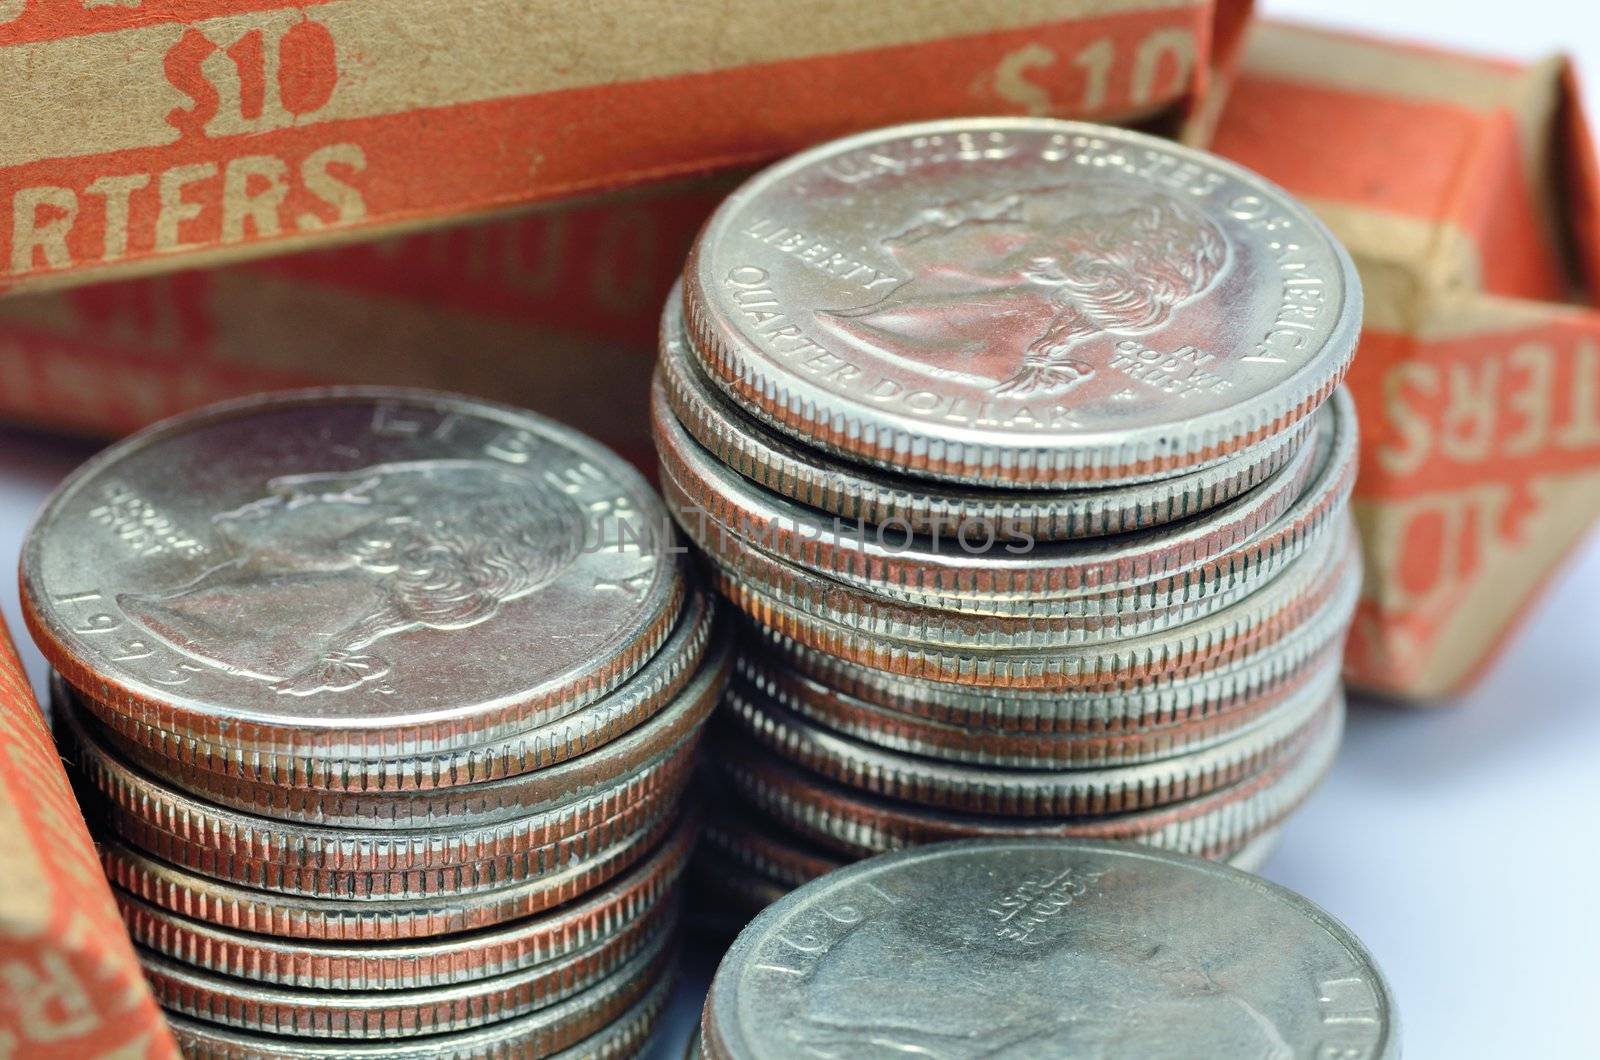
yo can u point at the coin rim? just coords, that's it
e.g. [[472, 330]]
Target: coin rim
[[650, 992], [854, 431], [1027, 792], [698, 490], [1208, 826], [629, 763], [1246, 629], [366, 965], [292, 916], [721, 1011], [131, 796], [919, 735], [648, 692], [873, 495], [396, 1015], [556, 696]]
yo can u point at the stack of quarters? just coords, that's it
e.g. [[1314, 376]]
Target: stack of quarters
[[381, 704], [1020, 449]]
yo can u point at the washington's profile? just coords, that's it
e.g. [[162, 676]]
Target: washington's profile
[[908, 986], [324, 566], [1003, 288]]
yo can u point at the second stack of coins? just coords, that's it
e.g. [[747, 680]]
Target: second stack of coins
[[1019, 446], [382, 704]]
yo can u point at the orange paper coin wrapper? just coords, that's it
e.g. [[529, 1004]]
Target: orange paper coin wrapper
[[555, 310], [182, 132], [69, 983], [1466, 191]]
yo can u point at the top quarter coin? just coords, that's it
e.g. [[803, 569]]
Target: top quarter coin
[[369, 570], [870, 495], [1046, 947], [1021, 302]]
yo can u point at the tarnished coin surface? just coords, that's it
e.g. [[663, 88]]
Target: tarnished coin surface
[[1020, 301], [881, 497], [366, 569], [1047, 948]]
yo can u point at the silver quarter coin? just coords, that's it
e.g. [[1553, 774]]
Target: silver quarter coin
[[609, 1021], [409, 964], [878, 497], [379, 918], [725, 872], [1325, 579], [1020, 301], [859, 824], [339, 862], [1047, 948], [356, 568], [1026, 792], [1148, 705], [713, 504], [294, 777], [632, 765], [1086, 745], [398, 1014]]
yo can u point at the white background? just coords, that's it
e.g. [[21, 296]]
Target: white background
[[1459, 843]]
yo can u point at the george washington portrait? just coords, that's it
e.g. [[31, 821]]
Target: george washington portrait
[[1117, 995], [323, 567], [1001, 289]]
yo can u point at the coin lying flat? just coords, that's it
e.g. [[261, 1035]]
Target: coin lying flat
[[1020, 301], [713, 503], [878, 497], [420, 882], [1240, 569], [1326, 579], [351, 568], [295, 780], [396, 1014], [733, 521], [638, 895], [628, 767], [1047, 948], [1025, 792], [859, 824], [1166, 701], [914, 734], [609, 1021], [339, 862], [287, 915]]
